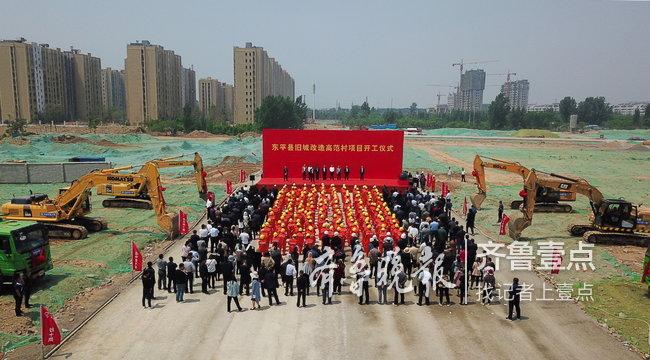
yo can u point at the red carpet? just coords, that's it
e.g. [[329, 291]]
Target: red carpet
[[395, 183]]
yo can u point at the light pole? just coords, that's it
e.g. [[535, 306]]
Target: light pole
[[313, 110]]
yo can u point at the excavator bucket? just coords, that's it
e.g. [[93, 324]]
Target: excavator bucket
[[477, 199], [516, 226]]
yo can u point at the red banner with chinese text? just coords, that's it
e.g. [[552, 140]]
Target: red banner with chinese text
[[379, 151], [242, 175], [229, 189], [183, 226], [136, 258], [504, 224], [50, 333]]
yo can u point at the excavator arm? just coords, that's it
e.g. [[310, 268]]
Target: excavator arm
[[165, 220], [554, 182], [479, 174], [199, 171]]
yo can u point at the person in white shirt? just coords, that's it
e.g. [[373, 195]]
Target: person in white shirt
[[214, 234], [211, 263], [424, 278], [244, 238], [462, 175], [203, 232], [208, 204], [449, 173], [289, 273]]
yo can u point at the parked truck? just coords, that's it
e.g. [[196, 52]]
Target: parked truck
[[24, 247]]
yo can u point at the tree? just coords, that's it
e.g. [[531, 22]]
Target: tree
[[498, 112], [279, 112], [517, 119], [365, 109], [390, 116], [594, 110], [568, 107], [647, 112], [413, 109], [636, 119], [17, 127], [301, 108]]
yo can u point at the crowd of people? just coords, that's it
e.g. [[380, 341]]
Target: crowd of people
[[434, 252]]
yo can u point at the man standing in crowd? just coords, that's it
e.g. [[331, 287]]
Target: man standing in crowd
[[148, 282], [471, 217], [302, 284], [171, 275], [332, 172], [347, 172], [161, 265], [289, 274]]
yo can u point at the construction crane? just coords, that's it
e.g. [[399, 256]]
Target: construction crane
[[461, 64], [546, 197], [66, 215], [613, 221], [438, 95], [133, 192]]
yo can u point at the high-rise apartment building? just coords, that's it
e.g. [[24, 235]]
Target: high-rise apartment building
[[87, 77], [153, 83], [256, 77], [470, 93], [113, 91], [517, 93], [216, 99], [188, 87], [38, 82]]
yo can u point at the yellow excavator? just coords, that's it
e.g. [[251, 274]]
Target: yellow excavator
[[613, 221], [66, 215], [132, 192], [547, 198]]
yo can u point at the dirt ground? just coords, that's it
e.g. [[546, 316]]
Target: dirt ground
[[228, 169]]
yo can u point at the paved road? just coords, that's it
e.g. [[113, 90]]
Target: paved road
[[202, 329]]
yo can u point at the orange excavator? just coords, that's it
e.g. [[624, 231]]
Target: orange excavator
[[613, 221], [66, 215], [547, 199], [132, 192]]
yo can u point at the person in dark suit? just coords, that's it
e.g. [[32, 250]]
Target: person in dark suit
[[346, 171], [285, 173], [362, 172], [513, 299]]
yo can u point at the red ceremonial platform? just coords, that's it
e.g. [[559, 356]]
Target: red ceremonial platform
[[380, 152], [306, 207]]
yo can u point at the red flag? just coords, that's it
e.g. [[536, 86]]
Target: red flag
[[242, 175], [465, 207], [229, 189], [444, 190], [183, 226], [504, 223], [433, 182], [136, 257], [50, 333], [557, 263]]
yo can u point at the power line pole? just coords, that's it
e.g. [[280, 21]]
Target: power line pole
[[313, 110]]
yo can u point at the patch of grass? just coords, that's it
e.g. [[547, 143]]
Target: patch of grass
[[534, 133], [624, 306]]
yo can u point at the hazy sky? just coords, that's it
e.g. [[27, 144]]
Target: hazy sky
[[380, 49]]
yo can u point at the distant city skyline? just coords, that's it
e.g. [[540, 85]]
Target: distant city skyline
[[387, 52]]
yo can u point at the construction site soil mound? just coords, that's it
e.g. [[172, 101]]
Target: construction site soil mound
[[197, 134], [639, 147], [72, 139], [248, 134]]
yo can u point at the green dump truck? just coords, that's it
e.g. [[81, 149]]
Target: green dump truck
[[24, 247]]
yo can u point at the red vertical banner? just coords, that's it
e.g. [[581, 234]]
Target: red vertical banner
[[465, 207], [444, 190], [433, 182], [229, 189], [50, 333], [504, 224], [136, 257], [183, 226], [242, 175], [557, 263]]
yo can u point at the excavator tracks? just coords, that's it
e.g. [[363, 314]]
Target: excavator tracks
[[76, 229], [127, 203], [545, 207], [615, 238]]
